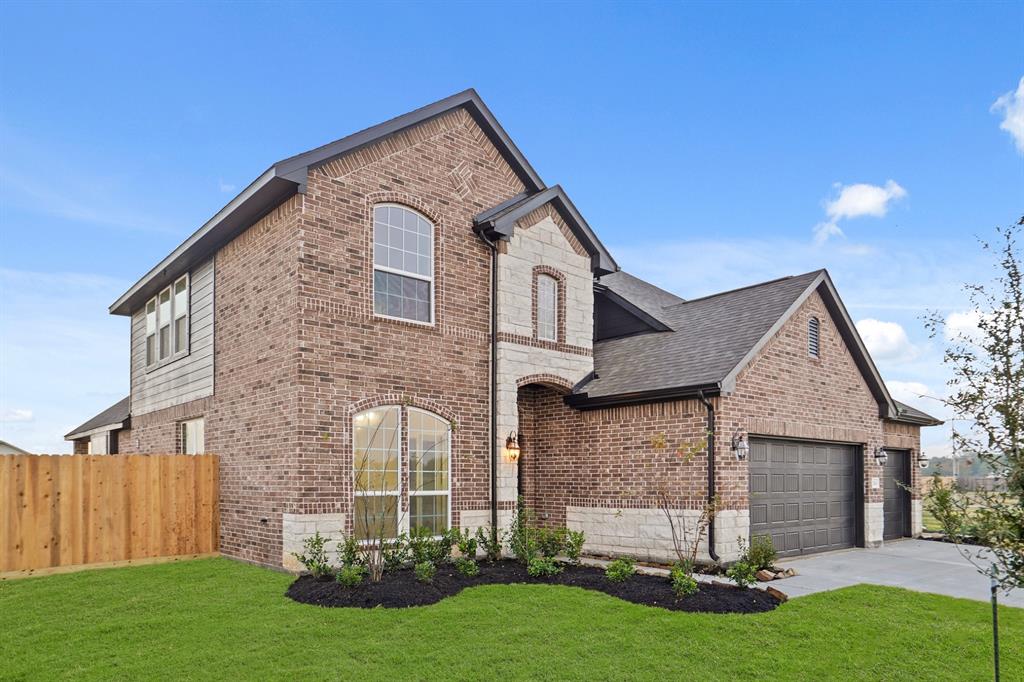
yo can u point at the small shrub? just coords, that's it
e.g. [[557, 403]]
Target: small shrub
[[425, 547], [396, 554], [489, 540], [742, 573], [543, 567], [683, 582], [351, 575], [620, 570], [349, 552], [467, 567], [314, 556], [466, 543], [761, 553], [574, 545], [425, 571], [522, 538], [549, 541]]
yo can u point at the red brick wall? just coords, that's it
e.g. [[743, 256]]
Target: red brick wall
[[906, 437], [158, 432], [448, 171], [617, 457]]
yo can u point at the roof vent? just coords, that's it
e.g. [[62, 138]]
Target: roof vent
[[813, 337]]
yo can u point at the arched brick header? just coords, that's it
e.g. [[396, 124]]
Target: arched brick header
[[559, 278], [549, 380], [404, 400]]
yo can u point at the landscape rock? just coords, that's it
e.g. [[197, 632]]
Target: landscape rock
[[778, 594], [764, 575]]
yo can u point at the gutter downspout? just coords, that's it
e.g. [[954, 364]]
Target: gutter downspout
[[711, 472], [494, 379]]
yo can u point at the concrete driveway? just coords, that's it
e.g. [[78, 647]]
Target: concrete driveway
[[921, 565]]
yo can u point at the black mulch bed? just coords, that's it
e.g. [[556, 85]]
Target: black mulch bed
[[401, 589]]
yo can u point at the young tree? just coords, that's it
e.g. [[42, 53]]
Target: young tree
[[686, 534], [987, 389]]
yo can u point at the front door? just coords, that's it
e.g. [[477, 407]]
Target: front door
[[896, 503]]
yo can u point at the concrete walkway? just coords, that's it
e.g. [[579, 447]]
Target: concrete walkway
[[921, 565]]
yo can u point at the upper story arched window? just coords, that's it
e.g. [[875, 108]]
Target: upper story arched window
[[547, 308], [814, 337], [403, 264]]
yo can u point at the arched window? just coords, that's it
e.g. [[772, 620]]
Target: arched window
[[378, 467], [403, 264], [547, 308], [814, 337]]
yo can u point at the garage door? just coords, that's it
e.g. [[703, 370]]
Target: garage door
[[802, 495]]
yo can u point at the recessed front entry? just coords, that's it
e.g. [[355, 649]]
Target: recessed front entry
[[896, 501], [802, 494]]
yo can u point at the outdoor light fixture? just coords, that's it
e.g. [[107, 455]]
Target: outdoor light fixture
[[740, 445], [922, 460], [512, 447], [881, 456]]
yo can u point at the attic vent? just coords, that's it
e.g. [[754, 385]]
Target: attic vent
[[813, 337]]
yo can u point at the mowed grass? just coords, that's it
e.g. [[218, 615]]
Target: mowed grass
[[218, 619]]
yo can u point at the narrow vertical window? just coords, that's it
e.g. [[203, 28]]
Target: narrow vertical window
[[547, 308], [377, 473], [151, 332], [403, 264], [813, 337], [428, 472], [193, 437], [164, 320], [181, 315]]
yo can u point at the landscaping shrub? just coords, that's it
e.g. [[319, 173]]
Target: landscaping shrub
[[574, 545], [542, 567], [742, 573], [466, 543], [489, 540], [351, 575], [314, 556], [522, 539], [426, 548], [396, 554], [549, 541], [683, 582], [425, 571], [349, 552], [620, 570], [467, 567], [761, 553]]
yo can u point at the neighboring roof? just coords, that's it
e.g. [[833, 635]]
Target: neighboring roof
[[8, 449], [288, 176], [911, 415], [714, 338], [114, 417], [500, 222], [643, 295]]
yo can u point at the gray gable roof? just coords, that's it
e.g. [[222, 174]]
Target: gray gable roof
[[116, 416], [911, 415], [288, 176], [713, 339], [643, 295]]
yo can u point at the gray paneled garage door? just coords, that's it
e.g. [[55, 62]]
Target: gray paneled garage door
[[802, 495]]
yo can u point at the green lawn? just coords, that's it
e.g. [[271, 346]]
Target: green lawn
[[215, 618]]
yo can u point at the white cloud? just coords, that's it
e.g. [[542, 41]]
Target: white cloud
[[909, 392], [225, 187], [886, 340], [16, 415], [855, 201], [1011, 105], [963, 326]]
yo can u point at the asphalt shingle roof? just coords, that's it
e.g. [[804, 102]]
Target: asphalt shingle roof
[[643, 295], [115, 414], [711, 336], [914, 414]]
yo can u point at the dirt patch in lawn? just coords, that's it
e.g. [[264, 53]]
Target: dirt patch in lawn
[[401, 589]]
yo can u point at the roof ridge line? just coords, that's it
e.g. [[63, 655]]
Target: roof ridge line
[[749, 286]]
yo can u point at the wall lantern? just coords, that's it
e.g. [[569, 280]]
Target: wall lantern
[[740, 445], [922, 460], [881, 456], [512, 447]]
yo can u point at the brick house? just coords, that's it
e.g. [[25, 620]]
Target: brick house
[[361, 332]]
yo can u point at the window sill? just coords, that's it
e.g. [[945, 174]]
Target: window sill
[[403, 320], [160, 364]]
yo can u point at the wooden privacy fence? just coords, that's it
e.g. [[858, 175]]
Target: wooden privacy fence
[[73, 510]]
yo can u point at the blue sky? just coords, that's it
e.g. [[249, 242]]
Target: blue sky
[[710, 145]]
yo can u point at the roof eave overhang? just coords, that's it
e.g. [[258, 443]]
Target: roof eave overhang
[[582, 401], [654, 323], [75, 435], [916, 421], [499, 223]]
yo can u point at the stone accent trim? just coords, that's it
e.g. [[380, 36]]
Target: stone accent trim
[[757, 426], [549, 345], [547, 211]]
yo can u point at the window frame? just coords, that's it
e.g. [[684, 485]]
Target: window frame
[[541, 276], [814, 337], [431, 280], [183, 436], [174, 315], [404, 492]]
